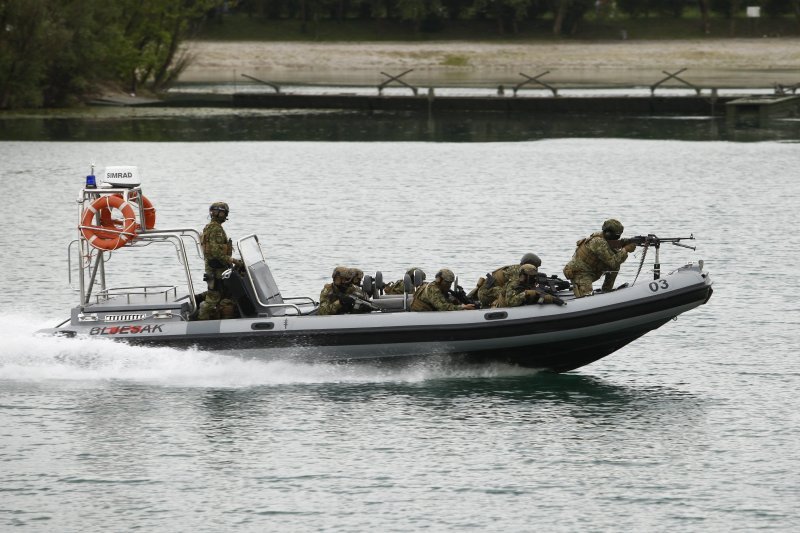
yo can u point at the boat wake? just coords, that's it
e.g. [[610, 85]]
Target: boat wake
[[30, 358]]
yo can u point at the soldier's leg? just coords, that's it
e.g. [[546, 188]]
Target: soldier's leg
[[488, 296], [227, 308], [582, 285], [608, 282], [208, 309]]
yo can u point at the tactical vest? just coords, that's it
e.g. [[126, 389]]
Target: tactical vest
[[585, 256], [213, 262], [417, 304]]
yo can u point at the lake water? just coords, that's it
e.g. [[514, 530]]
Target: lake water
[[694, 427]]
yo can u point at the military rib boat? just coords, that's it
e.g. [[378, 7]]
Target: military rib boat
[[273, 326]]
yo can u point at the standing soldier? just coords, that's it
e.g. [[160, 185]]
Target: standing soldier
[[594, 257], [433, 296], [523, 291], [494, 285], [217, 250]]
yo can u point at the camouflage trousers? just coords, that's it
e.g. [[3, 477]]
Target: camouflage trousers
[[216, 305], [582, 283], [488, 296]]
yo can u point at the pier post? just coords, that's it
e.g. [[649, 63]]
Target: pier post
[[535, 79], [398, 80], [674, 76], [270, 84]]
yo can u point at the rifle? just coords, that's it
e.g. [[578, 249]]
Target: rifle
[[461, 296], [652, 240], [547, 291], [554, 283], [357, 304]]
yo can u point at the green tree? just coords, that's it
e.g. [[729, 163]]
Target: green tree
[[52, 52], [568, 13], [24, 40]]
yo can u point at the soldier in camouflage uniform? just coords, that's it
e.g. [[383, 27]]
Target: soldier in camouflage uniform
[[357, 278], [333, 300], [494, 285], [523, 290], [397, 287], [217, 250], [594, 257], [433, 296]]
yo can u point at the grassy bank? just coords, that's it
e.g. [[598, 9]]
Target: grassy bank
[[240, 27]]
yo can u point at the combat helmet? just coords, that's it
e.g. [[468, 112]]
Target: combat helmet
[[531, 259], [411, 271], [342, 272], [612, 228], [528, 270], [446, 275], [219, 207], [356, 275]]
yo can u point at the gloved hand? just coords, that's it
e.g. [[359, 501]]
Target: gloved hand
[[237, 262], [530, 293], [348, 302], [630, 247]]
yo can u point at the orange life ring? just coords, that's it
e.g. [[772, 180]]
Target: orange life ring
[[111, 236], [149, 213]]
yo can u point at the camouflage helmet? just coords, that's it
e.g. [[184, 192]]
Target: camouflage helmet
[[531, 259], [528, 270], [342, 272], [219, 206], [356, 274], [446, 275], [612, 225], [411, 271]]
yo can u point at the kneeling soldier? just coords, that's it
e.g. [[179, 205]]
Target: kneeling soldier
[[433, 296], [494, 285], [524, 290]]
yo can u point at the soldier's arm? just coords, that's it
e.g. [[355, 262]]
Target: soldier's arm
[[438, 300], [609, 257], [217, 246], [329, 304], [514, 297]]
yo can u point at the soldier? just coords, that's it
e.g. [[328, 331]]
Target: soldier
[[523, 291], [433, 296], [356, 278], [493, 286], [594, 257], [397, 287], [217, 250], [341, 296]]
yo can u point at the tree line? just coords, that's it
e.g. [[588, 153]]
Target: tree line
[[565, 15], [54, 52]]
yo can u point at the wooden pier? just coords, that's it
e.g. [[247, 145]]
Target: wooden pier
[[692, 105], [704, 101], [761, 109]]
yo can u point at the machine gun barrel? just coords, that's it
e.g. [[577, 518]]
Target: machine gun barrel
[[653, 240]]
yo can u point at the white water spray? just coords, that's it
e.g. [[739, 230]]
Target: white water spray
[[31, 358]]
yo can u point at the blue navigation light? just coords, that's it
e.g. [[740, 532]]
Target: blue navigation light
[[91, 182]]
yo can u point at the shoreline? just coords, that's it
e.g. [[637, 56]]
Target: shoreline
[[709, 62]]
